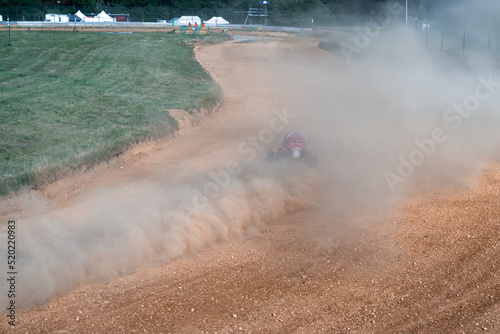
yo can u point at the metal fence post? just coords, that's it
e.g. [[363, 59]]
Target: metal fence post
[[8, 23], [442, 39], [463, 47], [426, 36], [489, 40]]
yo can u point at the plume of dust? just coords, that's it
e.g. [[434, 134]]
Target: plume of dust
[[113, 232], [363, 116]]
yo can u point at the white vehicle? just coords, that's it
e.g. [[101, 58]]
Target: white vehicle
[[57, 18]]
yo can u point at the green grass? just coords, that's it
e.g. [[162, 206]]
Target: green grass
[[70, 99]]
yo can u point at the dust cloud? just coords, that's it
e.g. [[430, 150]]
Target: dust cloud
[[393, 118], [113, 232], [471, 13]]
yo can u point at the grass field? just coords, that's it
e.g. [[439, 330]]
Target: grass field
[[70, 99]]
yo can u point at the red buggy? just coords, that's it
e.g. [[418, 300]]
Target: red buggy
[[293, 148]]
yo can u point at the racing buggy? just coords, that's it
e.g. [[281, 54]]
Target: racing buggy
[[293, 148]]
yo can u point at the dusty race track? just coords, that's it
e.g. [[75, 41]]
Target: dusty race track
[[293, 255]]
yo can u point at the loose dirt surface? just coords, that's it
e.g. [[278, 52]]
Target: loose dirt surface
[[430, 265]]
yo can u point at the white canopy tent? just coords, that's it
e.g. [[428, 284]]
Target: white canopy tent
[[1, 19], [185, 20], [81, 15], [101, 17], [216, 21]]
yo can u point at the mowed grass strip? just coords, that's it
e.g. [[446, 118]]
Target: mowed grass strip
[[70, 99]]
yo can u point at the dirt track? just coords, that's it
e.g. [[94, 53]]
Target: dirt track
[[432, 265]]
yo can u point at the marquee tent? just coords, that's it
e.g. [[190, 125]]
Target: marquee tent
[[101, 17], [216, 21], [185, 20], [80, 15]]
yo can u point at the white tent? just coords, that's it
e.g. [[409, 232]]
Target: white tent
[[185, 20], [1, 19], [81, 15], [216, 21], [101, 17]]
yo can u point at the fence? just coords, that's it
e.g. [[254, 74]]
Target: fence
[[463, 39], [153, 14]]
